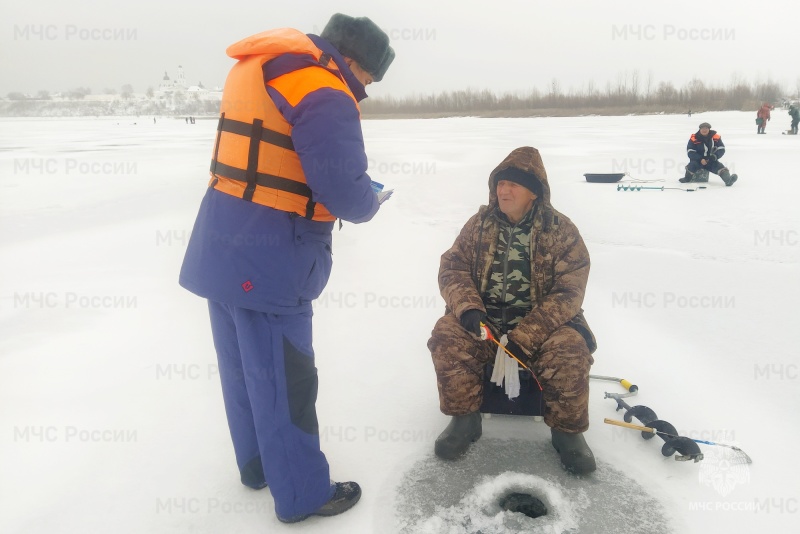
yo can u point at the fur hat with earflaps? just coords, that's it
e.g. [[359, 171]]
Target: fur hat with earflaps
[[362, 40]]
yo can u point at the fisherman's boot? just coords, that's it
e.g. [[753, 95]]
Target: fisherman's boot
[[345, 496], [458, 436], [727, 177], [576, 456], [686, 177]]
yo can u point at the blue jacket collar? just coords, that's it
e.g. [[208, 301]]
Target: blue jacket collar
[[358, 89]]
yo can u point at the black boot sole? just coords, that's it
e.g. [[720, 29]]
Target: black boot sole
[[327, 509]]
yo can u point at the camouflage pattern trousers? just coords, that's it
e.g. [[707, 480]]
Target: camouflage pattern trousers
[[561, 365]]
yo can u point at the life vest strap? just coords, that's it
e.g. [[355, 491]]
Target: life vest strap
[[262, 179], [216, 143], [246, 129], [252, 159]]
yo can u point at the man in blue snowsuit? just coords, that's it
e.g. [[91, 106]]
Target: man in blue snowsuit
[[288, 160], [705, 148]]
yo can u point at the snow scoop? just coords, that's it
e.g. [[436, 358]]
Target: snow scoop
[[654, 431], [688, 449]]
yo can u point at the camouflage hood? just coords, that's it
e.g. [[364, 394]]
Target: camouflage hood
[[526, 159]]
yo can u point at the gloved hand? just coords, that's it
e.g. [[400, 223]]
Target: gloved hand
[[471, 321], [712, 157]]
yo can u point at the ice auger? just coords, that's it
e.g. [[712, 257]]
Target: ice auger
[[651, 424]]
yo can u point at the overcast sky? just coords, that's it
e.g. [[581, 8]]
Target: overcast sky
[[507, 45]]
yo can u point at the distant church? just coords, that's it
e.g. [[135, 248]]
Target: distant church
[[172, 86], [168, 90], [179, 85]]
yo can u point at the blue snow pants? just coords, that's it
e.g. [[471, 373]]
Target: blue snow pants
[[269, 385], [712, 166]]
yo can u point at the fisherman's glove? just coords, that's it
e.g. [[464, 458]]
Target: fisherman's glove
[[471, 321]]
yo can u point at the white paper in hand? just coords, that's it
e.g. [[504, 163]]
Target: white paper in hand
[[382, 195]]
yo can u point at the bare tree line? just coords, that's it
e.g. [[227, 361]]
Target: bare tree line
[[630, 92]]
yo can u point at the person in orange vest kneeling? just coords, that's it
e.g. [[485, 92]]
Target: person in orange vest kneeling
[[287, 161]]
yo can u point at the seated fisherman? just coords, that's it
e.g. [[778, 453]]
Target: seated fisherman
[[521, 267], [705, 148]]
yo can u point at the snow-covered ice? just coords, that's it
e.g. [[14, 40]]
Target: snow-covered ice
[[112, 417]]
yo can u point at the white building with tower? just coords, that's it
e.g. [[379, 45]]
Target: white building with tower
[[168, 86], [172, 90]]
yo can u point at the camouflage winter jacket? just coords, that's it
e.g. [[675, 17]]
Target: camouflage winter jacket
[[507, 298], [558, 257]]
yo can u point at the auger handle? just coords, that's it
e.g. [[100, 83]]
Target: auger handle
[[630, 425], [632, 388]]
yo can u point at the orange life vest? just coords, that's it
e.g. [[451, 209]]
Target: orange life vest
[[254, 157]]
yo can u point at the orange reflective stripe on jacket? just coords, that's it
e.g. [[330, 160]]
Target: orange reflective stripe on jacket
[[694, 140], [254, 157]]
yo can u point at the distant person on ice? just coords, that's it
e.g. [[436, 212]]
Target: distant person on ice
[[288, 160], [795, 114], [705, 148], [763, 116], [520, 267]]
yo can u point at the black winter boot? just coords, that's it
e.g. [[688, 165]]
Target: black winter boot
[[576, 456], [457, 437], [727, 177], [686, 177], [345, 497]]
